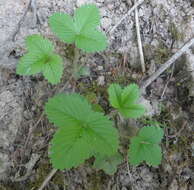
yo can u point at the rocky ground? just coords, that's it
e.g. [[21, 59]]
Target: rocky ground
[[165, 26]]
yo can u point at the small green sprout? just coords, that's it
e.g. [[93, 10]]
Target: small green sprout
[[124, 100], [108, 163], [145, 146]]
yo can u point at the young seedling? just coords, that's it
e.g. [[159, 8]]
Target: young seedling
[[108, 163], [80, 29], [145, 146], [81, 133], [41, 58], [124, 100]]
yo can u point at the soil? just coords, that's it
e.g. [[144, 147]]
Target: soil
[[25, 131]]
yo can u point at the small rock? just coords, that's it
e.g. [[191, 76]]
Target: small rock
[[110, 6], [146, 175], [101, 80], [100, 68], [82, 2], [152, 108], [174, 185]]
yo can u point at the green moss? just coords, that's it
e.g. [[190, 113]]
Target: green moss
[[96, 181], [161, 54], [123, 79], [2, 187], [58, 179], [41, 173]]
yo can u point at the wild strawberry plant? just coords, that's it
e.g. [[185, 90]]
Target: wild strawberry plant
[[41, 58], [125, 100], [80, 29], [145, 146], [82, 132]]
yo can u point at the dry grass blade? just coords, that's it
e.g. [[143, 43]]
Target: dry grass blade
[[139, 40]]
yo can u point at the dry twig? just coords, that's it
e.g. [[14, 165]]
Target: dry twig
[[167, 64], [169, 78], [111, 30], [139, 40], [48, 178]]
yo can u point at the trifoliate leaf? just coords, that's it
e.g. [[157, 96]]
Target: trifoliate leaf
[[81, 29], [79, 128], [144, 146], [125, 100], [86, 17], [108, 163], [40, 58], [63, 26], [91, 41]]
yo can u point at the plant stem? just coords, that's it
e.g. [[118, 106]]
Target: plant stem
[[75, 61]]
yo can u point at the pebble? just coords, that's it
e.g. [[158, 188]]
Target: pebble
[[100, 68], [101, 80]]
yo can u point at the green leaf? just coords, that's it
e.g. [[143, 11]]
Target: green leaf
[[130, 94], [38, 45], [104, 135], [115, 92], [125, 100], [132, 111], [70, 147], [144, 146], [79, 129], [108, 163], [63, 26], [40, 58], [91, 41], [53, 69], [152, 134], [29, 64], [86, 17], [67, 110], [81, 29]]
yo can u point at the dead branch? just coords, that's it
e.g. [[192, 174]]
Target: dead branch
[[167, 64]]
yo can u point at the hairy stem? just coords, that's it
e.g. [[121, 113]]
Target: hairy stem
[[75, 61]]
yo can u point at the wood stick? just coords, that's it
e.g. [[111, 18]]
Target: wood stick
[[167, 64]]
